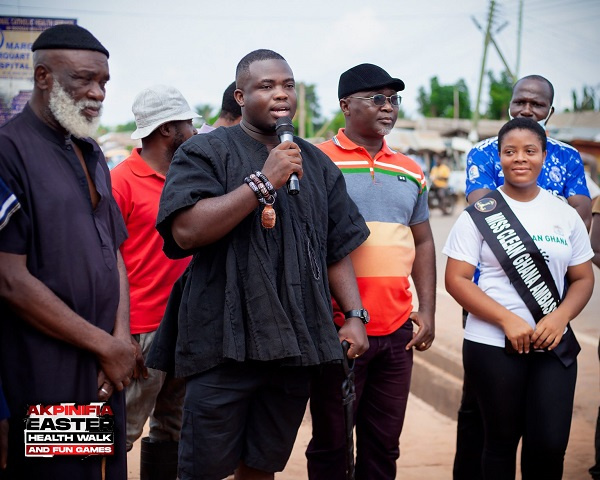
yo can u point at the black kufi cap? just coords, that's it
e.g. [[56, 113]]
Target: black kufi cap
[[366, 76], [68, 36]]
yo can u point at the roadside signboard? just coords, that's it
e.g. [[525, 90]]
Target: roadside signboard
[[17, 34]]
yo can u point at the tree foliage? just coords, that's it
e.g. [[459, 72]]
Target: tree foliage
[[439, 101], [500, 95], [205, 110], [126, 127], [589, 99], [337, 122], [314, 120]]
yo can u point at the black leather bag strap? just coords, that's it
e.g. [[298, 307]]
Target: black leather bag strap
[[522, 262]]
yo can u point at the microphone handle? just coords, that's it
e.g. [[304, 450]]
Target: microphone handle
[[293, 183], [286, 137]]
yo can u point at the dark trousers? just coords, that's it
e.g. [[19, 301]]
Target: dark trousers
[[528, 396], [382, 379], [595, 470], [469, 437], [469, 433]]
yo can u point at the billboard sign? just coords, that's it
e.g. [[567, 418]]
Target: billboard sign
[[17, 34]]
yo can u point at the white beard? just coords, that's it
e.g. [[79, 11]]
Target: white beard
[[67, 112]]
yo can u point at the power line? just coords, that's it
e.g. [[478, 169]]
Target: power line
[[308, 17], [565, 38], [558, 4]]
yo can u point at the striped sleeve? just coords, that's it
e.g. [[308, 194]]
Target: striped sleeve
[[8, 204]]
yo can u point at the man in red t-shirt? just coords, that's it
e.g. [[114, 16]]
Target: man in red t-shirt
[[164, 121]]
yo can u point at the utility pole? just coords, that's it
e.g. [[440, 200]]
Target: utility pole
[[493, 42], [456, 105], [473, 136], [519, 30], [301, 110]]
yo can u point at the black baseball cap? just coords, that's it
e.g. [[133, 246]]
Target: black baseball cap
[[366, 76]]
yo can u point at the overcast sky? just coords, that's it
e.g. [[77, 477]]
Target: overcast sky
[[195, 45]]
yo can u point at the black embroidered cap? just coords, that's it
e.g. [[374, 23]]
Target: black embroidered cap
[[366, 76], [68, 36]]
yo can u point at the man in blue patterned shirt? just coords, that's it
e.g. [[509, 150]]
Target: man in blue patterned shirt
[[562, 172], [563, 175]]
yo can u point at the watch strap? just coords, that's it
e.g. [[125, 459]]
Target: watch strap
[[354, 313]]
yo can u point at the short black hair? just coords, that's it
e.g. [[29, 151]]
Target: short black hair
[[229, 107], [256, 56], [521, 123], [537, 78]]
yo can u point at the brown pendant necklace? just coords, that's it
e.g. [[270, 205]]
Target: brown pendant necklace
[[268, 216]]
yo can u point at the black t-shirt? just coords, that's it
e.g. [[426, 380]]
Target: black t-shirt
[[255, 294]]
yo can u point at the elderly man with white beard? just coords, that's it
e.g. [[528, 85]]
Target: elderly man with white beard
[[64, 334]]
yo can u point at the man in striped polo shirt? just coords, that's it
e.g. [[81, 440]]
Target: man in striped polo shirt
[[390, 191]]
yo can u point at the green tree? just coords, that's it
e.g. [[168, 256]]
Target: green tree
[[500, 95], [589, 99], [126, 127], [439, 101], [331, 125], [338, 121], [205, 110], [313, 120]]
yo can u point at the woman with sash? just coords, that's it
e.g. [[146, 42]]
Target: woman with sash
[[519, 351]]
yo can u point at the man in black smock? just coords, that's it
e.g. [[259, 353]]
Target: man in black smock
[[253, 310], [64, 327]]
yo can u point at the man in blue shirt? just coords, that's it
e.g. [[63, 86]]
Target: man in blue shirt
[[563, 175]]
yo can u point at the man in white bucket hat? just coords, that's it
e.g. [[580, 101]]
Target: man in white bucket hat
[[164, 121]]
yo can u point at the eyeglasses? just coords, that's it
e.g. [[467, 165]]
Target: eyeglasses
[[379, 99]]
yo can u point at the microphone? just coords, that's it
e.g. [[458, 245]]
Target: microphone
[[285, 131]]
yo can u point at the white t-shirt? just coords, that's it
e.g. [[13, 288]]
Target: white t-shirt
[[556, 229]]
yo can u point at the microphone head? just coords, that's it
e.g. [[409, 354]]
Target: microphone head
[[284, 125]]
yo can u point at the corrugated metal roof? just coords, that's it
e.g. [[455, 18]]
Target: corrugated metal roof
[[418, 140]]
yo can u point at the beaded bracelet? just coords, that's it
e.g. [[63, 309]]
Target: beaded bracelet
[[266, 194], [261, 186], [265, 180], [255, 189]]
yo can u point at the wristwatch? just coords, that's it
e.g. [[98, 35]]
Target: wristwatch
[[361, 313]]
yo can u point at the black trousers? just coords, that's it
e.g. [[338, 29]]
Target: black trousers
[[469, 433], [469, 437], [529, 396], [595, 470]]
